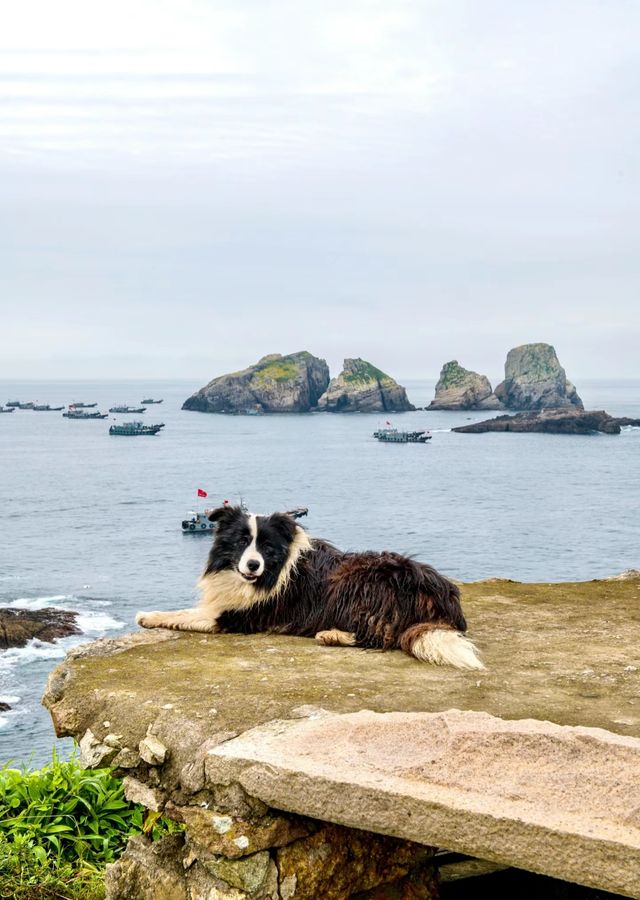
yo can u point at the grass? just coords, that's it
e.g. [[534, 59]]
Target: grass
[[60, 826], [364, 373]]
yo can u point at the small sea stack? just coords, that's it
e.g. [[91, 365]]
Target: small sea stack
[[460, 388], [535, 380], [361, 387]]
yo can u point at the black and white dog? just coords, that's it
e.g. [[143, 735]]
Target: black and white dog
[[264, 574]]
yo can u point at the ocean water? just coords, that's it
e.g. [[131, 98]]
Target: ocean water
[[92, 523]]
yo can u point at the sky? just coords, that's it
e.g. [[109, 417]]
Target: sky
[[187, 185]]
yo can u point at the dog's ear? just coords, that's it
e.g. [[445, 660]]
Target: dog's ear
[[224, 513], [284, 525]]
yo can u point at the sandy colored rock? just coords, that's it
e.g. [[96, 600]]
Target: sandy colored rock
[[460, 388], [256, 875], [500, 790], [235, 837], [148, 871]]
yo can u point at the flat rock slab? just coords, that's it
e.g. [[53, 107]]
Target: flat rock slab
[[553, 799]]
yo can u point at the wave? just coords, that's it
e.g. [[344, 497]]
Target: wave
[[38, 602]]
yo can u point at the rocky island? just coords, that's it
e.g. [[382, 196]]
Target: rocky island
[[19, 626], [275, 384], [361, 387], [534, 379], [460, 388], [553, 421]]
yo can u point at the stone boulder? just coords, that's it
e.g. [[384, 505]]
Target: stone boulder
[[534, 379], [275, 384], [552, 421], [460, 388], [361, 387], [301, 771], [19, 626]]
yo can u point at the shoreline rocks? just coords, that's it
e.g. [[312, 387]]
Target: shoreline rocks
[[19, 626], [460, 388], [361, 387], [552, 421], [535, 380], [275, 384]]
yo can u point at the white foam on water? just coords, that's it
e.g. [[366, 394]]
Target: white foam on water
[[38, 602], [95, 623], [9, 698]]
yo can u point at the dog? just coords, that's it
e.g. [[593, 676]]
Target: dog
[[265, 574]]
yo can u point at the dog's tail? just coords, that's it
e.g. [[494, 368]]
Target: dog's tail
[[441, 645]]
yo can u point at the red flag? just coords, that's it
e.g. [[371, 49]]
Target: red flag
[[201, 493]]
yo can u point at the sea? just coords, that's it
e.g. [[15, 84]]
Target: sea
[[92, 523]]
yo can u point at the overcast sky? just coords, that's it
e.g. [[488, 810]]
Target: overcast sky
[[186, 185]]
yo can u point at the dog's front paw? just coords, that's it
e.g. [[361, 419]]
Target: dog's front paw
[[149, 619]]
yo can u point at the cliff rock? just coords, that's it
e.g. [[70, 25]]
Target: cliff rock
[[459, 388], [534, 379], [19, 626], [553, 421], [275, 384], [360, 387]]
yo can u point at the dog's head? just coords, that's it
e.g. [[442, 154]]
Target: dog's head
[[256, 547]]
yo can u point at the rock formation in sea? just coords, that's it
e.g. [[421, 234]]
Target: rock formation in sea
[[534, 379], [275, 384], [361, 387], [460, 388], [19, 626], [553, 421]]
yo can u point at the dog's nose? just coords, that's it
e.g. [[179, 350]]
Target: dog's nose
[[253, 565]]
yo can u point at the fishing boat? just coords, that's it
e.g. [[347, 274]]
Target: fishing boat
[[44, 407], [133, 429], [9, 409], [19, 405], [80, 414], [14, 404], [127, 409], [149, 401], [82, 405], [391, 435], [198, 522]]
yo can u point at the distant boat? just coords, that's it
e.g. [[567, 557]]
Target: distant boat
[[133, 429], [82, 405], [13, 403], [79, 414], [44, 407], [149, 401], [16, 404], [9, 409], [126, 409], [198, 522], [391, 435]]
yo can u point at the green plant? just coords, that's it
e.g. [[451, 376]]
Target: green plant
[[71, 812]]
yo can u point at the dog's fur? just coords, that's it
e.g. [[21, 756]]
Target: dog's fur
[[264, 574]]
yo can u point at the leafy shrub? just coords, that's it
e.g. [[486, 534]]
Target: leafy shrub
[[60, 825]]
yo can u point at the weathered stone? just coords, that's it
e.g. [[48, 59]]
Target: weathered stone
[[126, 759], [235, 837], [256, 875], [277, 383], [421, 884], [534, 379], [137, 792], [339, 862], [467, 781], [19, 626], [95, 753], [4, 707], [152, 750], [460, 388], [361, 387], [148, 871], [552, 421]]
